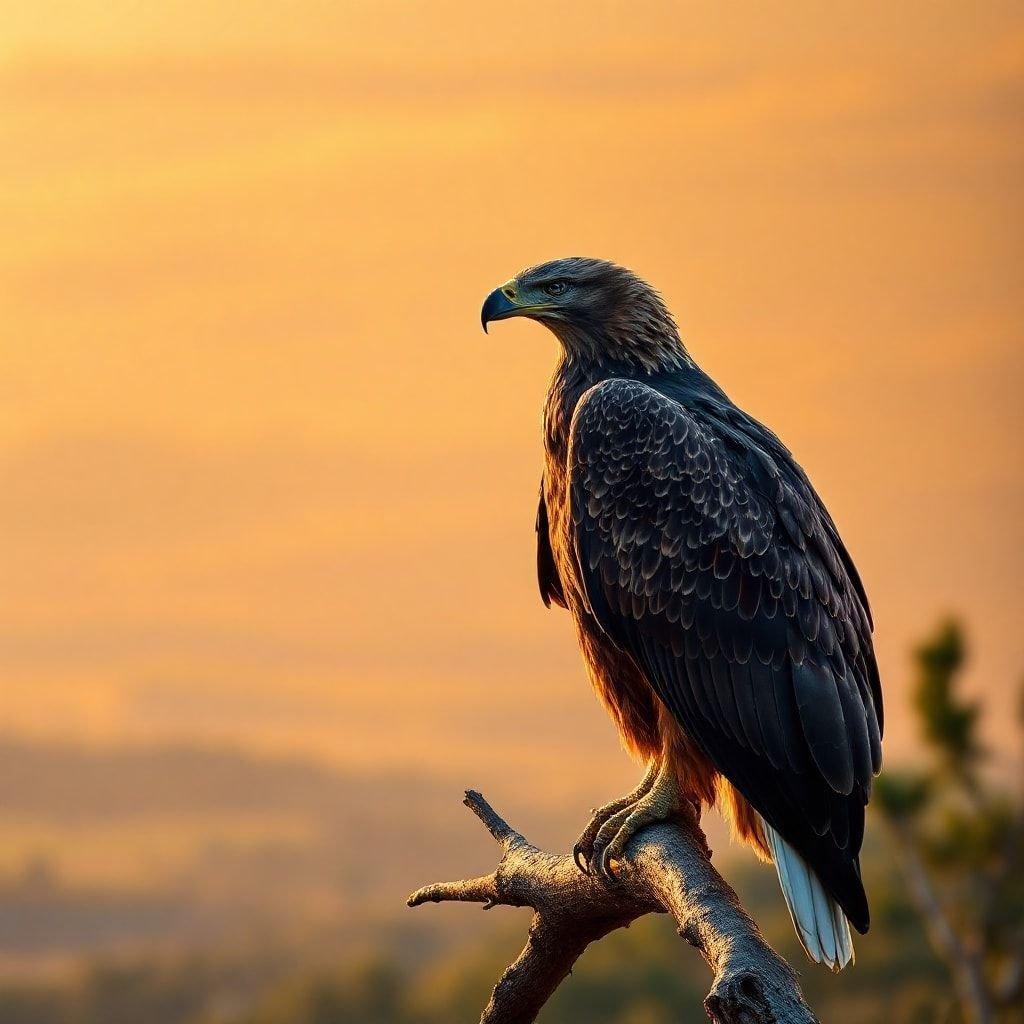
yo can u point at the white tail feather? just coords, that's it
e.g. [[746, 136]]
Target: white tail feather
[[820, 923]]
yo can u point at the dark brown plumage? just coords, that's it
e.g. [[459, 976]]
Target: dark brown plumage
[[720, 616]]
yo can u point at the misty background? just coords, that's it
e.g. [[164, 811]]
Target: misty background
[[268, 599]]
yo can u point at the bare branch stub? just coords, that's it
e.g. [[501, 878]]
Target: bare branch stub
[[500, 829], [667, 869]]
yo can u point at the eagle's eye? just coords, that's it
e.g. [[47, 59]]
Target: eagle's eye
[[556, 287]]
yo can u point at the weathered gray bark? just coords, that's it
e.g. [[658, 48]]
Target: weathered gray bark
[[667, 869]]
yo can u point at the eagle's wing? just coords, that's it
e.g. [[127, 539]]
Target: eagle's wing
[[713, 564]]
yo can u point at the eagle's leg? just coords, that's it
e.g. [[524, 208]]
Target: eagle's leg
[[661, 801], [583, 851]]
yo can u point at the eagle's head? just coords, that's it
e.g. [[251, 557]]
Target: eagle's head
[[599, 311]]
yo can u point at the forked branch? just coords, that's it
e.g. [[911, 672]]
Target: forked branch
[[667, 869]]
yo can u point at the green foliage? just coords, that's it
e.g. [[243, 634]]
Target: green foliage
[[369, 993], [959, 836], [948, 722], [901, 794], [967, 838]]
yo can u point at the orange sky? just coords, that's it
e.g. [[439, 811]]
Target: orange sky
[[265, 481]]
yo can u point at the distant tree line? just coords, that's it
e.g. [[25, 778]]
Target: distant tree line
[[959, 840]]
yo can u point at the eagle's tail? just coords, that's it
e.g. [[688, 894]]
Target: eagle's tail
[[820, 924]]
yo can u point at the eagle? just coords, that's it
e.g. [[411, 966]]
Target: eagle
[[721, 619]]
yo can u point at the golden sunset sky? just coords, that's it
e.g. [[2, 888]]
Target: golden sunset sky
[[265, 482]]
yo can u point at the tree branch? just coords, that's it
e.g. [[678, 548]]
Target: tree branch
[[667, 869], [964, 963]]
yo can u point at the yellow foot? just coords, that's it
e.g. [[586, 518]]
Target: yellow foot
[[661, 801], [583, 851]]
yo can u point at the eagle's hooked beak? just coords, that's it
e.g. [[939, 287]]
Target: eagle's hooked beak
[[498, 306]]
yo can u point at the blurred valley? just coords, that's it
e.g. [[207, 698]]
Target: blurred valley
[[182, 885], [180, 848]]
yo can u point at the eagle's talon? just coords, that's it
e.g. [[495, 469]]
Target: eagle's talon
[[586, 852], [608, 873], [579, 859], [660, 802]]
